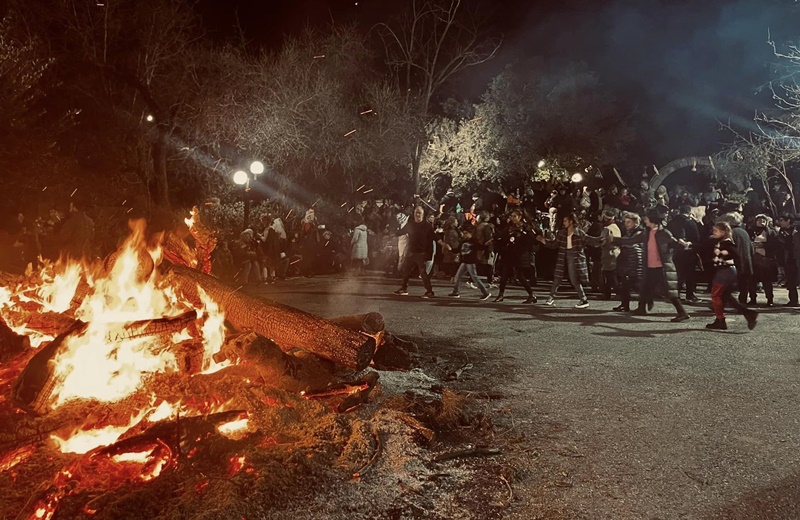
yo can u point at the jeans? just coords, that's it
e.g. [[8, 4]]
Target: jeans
[[509, 268], [610, 284], [419, 260], [572, 274], [468, 269]]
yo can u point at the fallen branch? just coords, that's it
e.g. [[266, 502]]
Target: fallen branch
[[375, 454]]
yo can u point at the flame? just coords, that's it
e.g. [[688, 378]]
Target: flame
[[236, 464], [59, 288], [84, 441]]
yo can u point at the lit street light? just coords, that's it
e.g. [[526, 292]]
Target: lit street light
[[577, 178], [241, 178], [257, 168], [150, 118], [541, 163]]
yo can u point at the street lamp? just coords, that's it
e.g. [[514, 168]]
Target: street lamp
[[241, 178], [541, 163], [257, 168], [577, 178]]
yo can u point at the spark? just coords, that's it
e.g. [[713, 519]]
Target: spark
[[294, 262], [476, 119], [365, 112], [351, 132], [74, 192], [124, 201], [319, 56], [315, 202], [361, 187], [369, 190], [129, 210], [290, 212], [343, 204], [44, 189], [326, 243], [351, 209]]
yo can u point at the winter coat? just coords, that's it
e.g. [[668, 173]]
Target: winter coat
[[483, 234], [629, 261], [516, 244], [358, 244], [609, 251], [667, 244], [578, 243], [766, 265], [744, 247], [452, 243], [271, 247]]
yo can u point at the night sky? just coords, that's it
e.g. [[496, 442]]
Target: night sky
[[684, 65]]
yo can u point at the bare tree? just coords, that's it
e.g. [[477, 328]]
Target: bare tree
[[426, 47]]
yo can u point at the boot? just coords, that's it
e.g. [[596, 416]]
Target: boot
[[531, 299], [499, 298], [621, 308], [718, 324], [752, 319]]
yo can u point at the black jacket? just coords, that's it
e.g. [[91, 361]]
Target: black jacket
[[420, 237]]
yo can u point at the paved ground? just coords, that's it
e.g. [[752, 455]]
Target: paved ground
[[610, 416]]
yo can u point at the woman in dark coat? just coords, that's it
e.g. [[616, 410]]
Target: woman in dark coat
[[660, 275], [629, 263], [516, 243], [571, 242]]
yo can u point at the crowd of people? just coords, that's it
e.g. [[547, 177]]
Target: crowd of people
[[617, 242]]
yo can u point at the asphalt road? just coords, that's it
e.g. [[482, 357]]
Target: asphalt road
[[607, 415]]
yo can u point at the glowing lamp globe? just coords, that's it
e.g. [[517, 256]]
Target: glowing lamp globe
[[577, 178], [541, 164], [257, 168], [240, 178]]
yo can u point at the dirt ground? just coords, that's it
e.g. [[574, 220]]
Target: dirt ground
[[599, 415]]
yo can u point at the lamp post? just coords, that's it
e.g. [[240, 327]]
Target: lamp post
[[242, 178]]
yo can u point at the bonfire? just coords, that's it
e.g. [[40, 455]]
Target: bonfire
[[118, 372]]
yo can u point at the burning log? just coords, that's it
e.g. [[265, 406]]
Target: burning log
[[273, 366], [371, 323], [11, 343], [289, 328], [37, 382]]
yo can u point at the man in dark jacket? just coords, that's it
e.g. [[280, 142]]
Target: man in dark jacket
[[659, 270], [787, 256], [744, 248], [765, 259], [683, 227], [420, 250]]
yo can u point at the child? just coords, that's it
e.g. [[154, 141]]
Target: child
[[469, 257], [724, 262]]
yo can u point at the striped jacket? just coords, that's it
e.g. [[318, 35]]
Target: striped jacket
[[578, 243]]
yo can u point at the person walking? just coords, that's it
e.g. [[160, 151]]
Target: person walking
[[420, 250], [484, 234], [744, 249], [359, 248], [684, 227], [765, 260], [570, 242], [609, 252], [629, 263], [660, 275], [726, 256], [788, 257], [468, 253], [515, 244]]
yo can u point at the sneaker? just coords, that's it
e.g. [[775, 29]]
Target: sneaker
[[471, 285], [454, 295], [550, 301], [492, 285], [584, 303], [499, 298], [531, 299], [486, 297], [401, 292], [428, 294], [621, 308], [717, 324], [679, 318]]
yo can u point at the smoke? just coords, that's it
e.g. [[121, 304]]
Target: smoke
[[685, 65]]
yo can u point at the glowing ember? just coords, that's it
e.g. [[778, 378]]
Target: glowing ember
[[236, 464], [140, 457], [234, 429]]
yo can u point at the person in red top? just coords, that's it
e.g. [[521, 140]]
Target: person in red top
[[660, 275], [725, 260]]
